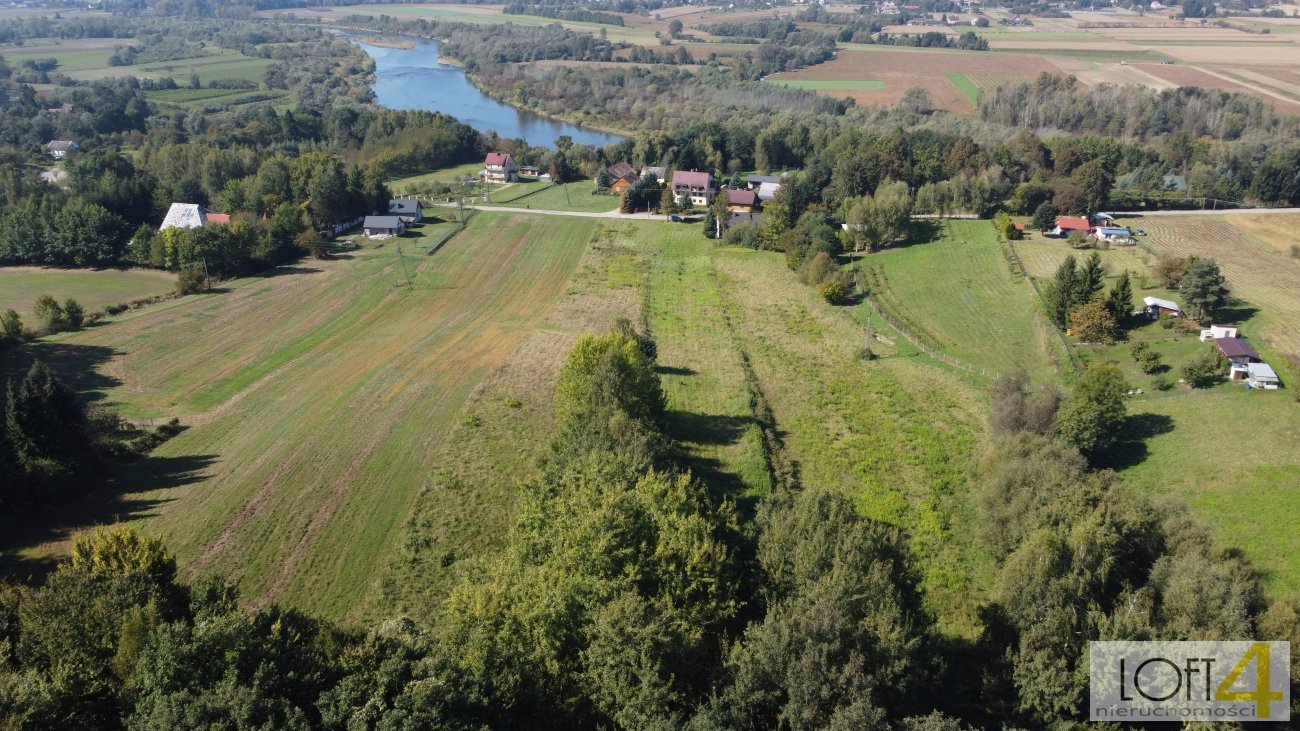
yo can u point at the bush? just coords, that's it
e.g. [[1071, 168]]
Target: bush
[[73, 314], [1206, 370], [1147, 359], [748, 235], [818, 269], [191, 281], [1162, 382], [834, 288], [49, 316]]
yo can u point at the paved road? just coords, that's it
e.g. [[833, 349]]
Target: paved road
[[1207, 212], [579, 214]]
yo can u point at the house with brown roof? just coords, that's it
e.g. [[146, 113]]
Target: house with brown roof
[[500, 167], [621, 177], [695, 185], [741, 201], [1066, 226]]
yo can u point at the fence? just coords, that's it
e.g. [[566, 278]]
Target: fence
[[1074, 361], [340, 228], [864, 290], [457, 227]]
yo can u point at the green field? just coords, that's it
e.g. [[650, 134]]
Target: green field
[[967, 87], [982, 313], [72, 58], [446, 175], [319, 427], [92, 289], [814, 85], [457, 14], [579, 196], [222, 65]]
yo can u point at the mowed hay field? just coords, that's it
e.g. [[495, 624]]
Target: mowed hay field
[[981, 313], [1258, 272], [317, 400], [898, 70], [92, 289]]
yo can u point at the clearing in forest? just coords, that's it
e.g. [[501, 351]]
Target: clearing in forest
[[91, 288]]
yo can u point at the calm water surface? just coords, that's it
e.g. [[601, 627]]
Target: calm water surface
[[416, 79]]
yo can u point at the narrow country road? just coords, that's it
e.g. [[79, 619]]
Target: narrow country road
[[1207, 212], [580, 214]]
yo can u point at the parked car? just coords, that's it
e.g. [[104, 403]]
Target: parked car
[[1141, 232], [676, 219]]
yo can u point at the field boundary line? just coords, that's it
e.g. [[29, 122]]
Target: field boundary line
[[1074, 360], [864, 290]]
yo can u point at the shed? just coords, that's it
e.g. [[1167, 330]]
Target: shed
[[1218, 331], [376, 226], [1156, 307], [754, 181], [741, 201], [1236, 350], [767, 191], [1260, 375], [59, 148]]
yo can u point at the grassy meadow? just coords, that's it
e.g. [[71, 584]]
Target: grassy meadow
[[984, 314], [318, 428], [91, 288]]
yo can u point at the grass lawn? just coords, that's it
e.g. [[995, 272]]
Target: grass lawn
[[958, 293], [1231, 455], [967, 87], [510, 191], [71, 58], [91, 288], [315, 426], [579, 196], [445, 175], [218, 64]]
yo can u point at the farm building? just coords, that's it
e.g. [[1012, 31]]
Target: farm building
[[741, 201], [1066, 225], [1218, 331], [1236, 350], [696, 185], [529, 171], [660, 173], [1260, 375], [407, 209], [500, 167], [767, 191], [1113, 234], [754, 181], [59, 148], [1102, 219], [376, 226], [1157, 308], [191, 215]]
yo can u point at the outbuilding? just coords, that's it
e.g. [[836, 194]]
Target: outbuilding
[[1260, 375], [1157, 308], [377, 226], [407, 209]]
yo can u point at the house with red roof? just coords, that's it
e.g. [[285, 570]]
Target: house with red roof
[[500, 167], [742, 201], [695, 185], [1066, 225]]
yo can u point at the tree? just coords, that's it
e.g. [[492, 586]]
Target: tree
[[667, 202], [1205, 370], [710, 223], [1091, 280], [1204, 289], [1018, 408], [602, 180], [675, 28], [45, 421], [11, 328], [1094, 412], [1169, 270], [73, 314], [1147, 359], [1093, 322], [915, 100], [1120, 300], [1094, 181], [721, 213], [1044, 217], [1058, 295], [49, 316]]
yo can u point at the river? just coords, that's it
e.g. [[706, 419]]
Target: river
[[416, 78]]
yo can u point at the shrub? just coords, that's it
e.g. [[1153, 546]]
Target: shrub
[[73, 314], [1162, 382], [1205, 371], [49, 316], [190, 281], [818, 269], [834, 288]]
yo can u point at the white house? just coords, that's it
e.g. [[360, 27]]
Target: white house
[[1218, 331], [59, 148], [695, 185], [184, 215], [500, 167], [407, 209], [1113, 234], [1260, 375]]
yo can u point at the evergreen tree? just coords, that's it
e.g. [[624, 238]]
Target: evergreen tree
[[44, 420], [1120, 301], [710, 223], [1090, 281], [1044, 216], [602, 180], [1204, 289], [1058, 295]]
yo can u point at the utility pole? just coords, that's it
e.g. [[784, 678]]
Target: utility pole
[[566, 195], [207, 280], [402, 259]]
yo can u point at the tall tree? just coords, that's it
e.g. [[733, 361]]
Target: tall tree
[[45, 421], [1044, 216], [1094, 412], [1058, 295], [1204, 289], [1120, 300]]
